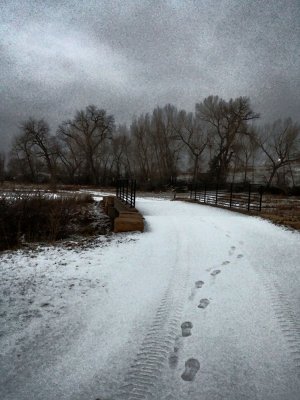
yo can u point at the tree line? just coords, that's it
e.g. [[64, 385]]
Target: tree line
[[217, 142]]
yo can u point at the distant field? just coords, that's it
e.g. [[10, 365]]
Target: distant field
[[282, 210]]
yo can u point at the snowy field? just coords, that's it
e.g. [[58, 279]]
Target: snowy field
[[205, 304]]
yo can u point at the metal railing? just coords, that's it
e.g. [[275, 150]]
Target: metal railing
[[126, 191], [248, 197]]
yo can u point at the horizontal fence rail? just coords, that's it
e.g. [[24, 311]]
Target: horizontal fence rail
[[247, 197], [126, 191]]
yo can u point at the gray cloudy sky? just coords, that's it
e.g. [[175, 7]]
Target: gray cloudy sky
[[129, 56]]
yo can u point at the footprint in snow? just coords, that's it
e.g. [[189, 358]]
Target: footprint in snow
[[225, 262], [240, 256], [186, 328], [173, 357], [231, 251], [203, 303], [198, 285], [215, 272], [192, 366]]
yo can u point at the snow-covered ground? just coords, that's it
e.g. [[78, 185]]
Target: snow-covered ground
[[103, 321]]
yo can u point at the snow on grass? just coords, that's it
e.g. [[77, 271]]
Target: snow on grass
[[74, 317], [50, 298]]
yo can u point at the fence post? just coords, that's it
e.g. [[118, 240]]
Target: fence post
[[260, 197], [249, 196], [217, 188], [195, 191], [205, 192], [231, 189], [131, 187], [126, 191], [134, 191]]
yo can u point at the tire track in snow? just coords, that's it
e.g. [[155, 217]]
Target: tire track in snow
[[283, 311], [287, 319], [288, 322], [141, 381]]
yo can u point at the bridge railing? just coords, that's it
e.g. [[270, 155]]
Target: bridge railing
[[126, 191], [248, 197]]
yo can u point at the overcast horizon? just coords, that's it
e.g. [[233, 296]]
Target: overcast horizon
[[130, 56]]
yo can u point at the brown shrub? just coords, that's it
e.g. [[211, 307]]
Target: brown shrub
[[35, 217]]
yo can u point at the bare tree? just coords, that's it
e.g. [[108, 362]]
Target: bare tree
[[71, 157], [89, 130], [227, 120], [166, 149], [23, 161], [193, 135], [154, 149], [105, 163], [245, 150], [2, 168], [143, 148], [121, 144], [280, 143], [43, 145]]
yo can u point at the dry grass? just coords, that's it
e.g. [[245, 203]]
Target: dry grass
[[39, 216], [282, 210]]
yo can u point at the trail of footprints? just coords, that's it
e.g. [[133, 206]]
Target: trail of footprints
[[287, 319], [192, 365], [161, 343]]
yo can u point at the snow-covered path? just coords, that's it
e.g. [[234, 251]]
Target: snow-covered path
[[106, 322]]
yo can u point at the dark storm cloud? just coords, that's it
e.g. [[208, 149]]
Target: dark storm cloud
[[129, 56]]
